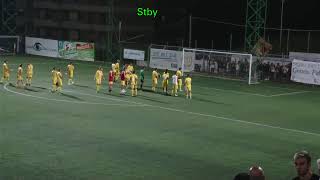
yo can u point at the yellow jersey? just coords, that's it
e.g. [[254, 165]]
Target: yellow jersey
[[30, 70], [155, 75], [130, 68], [70, 68], [117, 67], [54, 76], [187, 81], [19, 73], [134, 79], [59, 78], [165, 76], [99, 75], [179, 74], [6, 70]]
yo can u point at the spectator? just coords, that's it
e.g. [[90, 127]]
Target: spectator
[[302, 161], [256, 173]]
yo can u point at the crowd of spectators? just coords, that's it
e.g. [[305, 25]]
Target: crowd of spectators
[[266, 71], [302, 163]]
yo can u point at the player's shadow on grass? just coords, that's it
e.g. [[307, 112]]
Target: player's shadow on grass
[[38, 87], [71, 96], [151, 99], [29, 89], [83, 86]]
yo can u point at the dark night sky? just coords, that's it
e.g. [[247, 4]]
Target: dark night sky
[[298, 14]]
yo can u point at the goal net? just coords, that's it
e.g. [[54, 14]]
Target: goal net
[[226, 65], [9, 45]]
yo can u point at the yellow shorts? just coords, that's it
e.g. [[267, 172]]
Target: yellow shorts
[[6, 75], [98, 81], [188, 88], [54, 82], [165, 83], [60, 83], [71, 75], [155, 81], [29, 75], [133, 86], [123, 83], [180, 81]]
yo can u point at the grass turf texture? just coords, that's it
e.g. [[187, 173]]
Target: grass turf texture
[[226, 127]]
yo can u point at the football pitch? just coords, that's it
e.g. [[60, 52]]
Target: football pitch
[[81, 135]]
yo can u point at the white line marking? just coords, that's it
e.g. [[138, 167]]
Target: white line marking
[[75, 102], [228, 119], [288, 94], [194, 113]]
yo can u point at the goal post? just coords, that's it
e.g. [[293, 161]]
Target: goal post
[[224, 65], [9, 45]]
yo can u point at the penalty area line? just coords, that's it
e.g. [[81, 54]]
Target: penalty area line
[[226, 118]]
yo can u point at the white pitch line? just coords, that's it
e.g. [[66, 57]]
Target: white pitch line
[[288, 94], [75, 102], [229, 119]]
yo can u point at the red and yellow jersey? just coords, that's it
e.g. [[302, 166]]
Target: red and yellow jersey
[[111, 76]]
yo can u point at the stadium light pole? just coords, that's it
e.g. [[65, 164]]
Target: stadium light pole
[[281, 24]]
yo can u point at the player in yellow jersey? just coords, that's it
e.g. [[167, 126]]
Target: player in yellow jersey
[[29, 74], [155, 77], [59, 81], [127, 76], [6, 72], [187, 84], [98, 78], [70, 70], [19, 77], [54, 78], [134, 84], [179, 75], [117, 68], [130, 68], [165, 81]]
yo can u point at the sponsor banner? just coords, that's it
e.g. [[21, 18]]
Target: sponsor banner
[[133, 54], [171, 60], [305, 72], [41, 47], [76, 50]]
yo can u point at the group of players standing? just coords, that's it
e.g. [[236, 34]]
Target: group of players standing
[[127, 77], [20, 84]]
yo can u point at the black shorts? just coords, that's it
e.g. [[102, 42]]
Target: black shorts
[[142, 80]]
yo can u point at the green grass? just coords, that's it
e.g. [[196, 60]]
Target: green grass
[[227, 127]]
